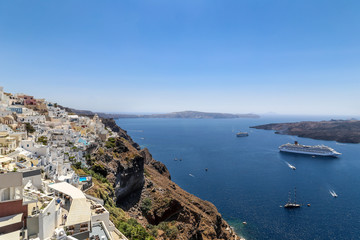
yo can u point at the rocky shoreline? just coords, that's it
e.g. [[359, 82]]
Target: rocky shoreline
[[343, 131]]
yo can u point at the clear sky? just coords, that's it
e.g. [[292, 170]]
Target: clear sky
[[237, 56]]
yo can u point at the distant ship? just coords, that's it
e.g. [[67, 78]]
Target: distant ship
[[318, 150], [291, 204], [242, 134]]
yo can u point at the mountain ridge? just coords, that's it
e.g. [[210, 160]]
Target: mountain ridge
[[182, 114]]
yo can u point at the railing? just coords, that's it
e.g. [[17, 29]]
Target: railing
[[122, 236], [98, 200]]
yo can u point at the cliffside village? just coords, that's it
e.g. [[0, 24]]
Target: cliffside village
[[41, 196]]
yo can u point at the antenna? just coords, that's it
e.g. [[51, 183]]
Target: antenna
[[289, 198]]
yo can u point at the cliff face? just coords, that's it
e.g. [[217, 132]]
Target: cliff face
[[193, 217], [144, 190]]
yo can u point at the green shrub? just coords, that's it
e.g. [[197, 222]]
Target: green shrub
[[110, 143], [43, 140], [100, 169], [77, 165], [134, 231], [146, 205], [170, 231], [153, 230]]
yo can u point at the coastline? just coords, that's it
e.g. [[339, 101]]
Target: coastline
[[342, 131]]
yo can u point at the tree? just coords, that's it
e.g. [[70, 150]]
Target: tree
[[29, 128]]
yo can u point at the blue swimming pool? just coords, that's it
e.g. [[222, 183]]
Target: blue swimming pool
[[82, 179], [83, 141]]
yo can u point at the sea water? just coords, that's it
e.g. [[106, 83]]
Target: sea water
[[248, 179]]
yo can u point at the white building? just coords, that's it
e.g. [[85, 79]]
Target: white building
[[12, 210], [34, 119], [5, 112], [78, 219], [37, 149]]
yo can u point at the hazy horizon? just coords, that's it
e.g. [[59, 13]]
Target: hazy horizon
[[268, 114], [287, 57]]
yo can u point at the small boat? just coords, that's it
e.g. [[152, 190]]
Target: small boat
[[333, 193], [291, 204], [291, 166], [242, 134]]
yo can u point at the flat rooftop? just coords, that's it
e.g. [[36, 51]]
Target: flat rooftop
[[79, 211]]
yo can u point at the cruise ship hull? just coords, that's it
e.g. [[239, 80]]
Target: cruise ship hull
[[310, 153]]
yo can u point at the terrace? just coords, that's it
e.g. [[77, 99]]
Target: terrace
[[78, 218]]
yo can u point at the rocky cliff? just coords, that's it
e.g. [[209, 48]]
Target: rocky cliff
[[143, 188], [345, 131]]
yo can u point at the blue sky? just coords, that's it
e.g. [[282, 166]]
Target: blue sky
[[238, 56]]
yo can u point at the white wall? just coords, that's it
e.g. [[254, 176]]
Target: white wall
[[30, 146], [5, 113], [103, 217], [35, 180], [48, 220]]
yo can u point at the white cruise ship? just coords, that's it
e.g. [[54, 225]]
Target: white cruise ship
[[319, 150]]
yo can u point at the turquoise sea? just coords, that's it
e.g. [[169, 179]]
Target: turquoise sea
[[248, 178]]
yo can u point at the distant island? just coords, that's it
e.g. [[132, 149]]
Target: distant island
[[183, 114], [344, 131]]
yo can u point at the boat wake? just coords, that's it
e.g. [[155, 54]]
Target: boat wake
[[191, 175], [290, 166], [135, 130], [333, 193], [342, 144]]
